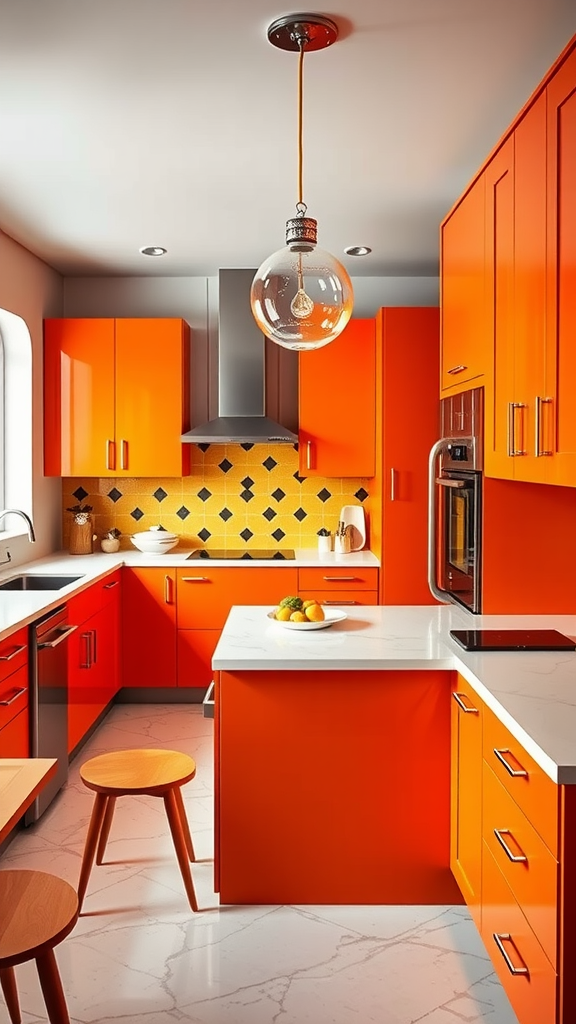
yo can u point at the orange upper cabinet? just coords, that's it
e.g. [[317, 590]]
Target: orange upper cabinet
[[465, 342], [116, 397], [337, 405]]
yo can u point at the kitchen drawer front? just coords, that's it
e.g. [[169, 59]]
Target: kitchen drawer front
[[13, 695], [13, 654], [340, 597], [534, 880], [534, 791], [110, 587], [205, 596], [15, 737], [81, 606], [354, 578], [533, 993]]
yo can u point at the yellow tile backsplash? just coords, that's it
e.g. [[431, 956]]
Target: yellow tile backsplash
[[236, 496]]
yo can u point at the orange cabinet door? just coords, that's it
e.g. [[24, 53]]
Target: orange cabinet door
[[503, 422], [15, 737], [466, 794], [195, 650], [205, 596], [561, 298], [152, 389], [337, 405], [79, 397], [465, 352], [148, 627], [84, 681]]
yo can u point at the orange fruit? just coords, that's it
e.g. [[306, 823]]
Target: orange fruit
[[306, 604], [315, 613], [283, 614], [298, 617]]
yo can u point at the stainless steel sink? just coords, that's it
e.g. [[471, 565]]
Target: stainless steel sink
[[38, 582]]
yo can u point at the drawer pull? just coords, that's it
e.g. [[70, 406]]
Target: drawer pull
[[340, 602], [168, 596], [340, 579], [15, 693], [520, 858], [500, 940], [457, 369], [108, 586], [17, 650], [515, 772], [468, 708], [195, 579]]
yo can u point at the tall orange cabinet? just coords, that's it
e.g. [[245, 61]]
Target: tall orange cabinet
[[116, 397]]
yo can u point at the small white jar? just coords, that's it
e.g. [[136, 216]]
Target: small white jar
[[324, 544]]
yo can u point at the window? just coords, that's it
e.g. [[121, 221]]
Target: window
[[15, 420]]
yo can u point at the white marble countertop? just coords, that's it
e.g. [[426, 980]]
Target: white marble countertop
[[532, 693]]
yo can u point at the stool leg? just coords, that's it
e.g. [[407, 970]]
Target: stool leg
[[52, 988], [105, 830], [184, 821], [8, 982], [175, 822], [94, 828]]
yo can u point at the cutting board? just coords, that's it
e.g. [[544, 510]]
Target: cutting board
[[353, 516]]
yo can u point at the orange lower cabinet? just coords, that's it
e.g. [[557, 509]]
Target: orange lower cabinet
[[205, 595], [466, 794], [520, 962], [15, 737], [195, 650], [148, 627], [352, 799]]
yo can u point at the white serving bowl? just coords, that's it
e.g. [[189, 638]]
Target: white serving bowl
[[154, 542]]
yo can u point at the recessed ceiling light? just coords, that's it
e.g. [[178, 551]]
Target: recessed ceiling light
[[357, 250], [153, 250]]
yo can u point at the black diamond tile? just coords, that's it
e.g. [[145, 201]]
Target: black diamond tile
[[247, 482], [136, 514], [300, 514], [225, 514], [269, 463], [246, 495], [247, 445], [160, 527], [183, 513], [361, 494], [269, 514], [203, 447], [246, 534], [225, 466], [204, 534], [114, 494], [278, 494], [160, 494], [204, 494], [278, 534], [324, 494], [80, 493], [299, 478]]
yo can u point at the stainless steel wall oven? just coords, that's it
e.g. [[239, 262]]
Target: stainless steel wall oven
[[455, 502]]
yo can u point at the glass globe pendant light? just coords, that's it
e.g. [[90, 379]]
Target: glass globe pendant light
[[301, 296]]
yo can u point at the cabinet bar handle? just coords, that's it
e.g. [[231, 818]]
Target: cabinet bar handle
[[510, 430], [538, 447], [123, 454], [468, 708], [87, 651], [63, 632], [110, 451], [194, 579], [17, 692], [512, 449], [457, 369], [168, 590], [17, 650], [108, 586], [308, 454], [516, 858], [500, 939], [340, 602], [392, 485], [511, 771], [340, 579], [94, 655]]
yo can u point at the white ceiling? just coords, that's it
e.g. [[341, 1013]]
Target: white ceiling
[[126, 123]]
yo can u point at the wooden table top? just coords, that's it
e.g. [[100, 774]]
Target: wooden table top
[[21, 779]]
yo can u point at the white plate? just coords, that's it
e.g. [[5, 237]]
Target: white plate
[[331, 615]]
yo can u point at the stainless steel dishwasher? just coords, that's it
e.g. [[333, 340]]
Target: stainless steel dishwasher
[[49, 700]]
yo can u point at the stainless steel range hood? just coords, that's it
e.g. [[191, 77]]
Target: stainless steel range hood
[[257, 380]]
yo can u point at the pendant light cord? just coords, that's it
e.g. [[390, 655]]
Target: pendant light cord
[[301, 42]]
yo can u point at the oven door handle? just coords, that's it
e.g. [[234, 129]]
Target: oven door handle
[[449, 483], [437, 449]]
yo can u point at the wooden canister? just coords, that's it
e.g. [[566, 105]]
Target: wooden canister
[[81, 537]]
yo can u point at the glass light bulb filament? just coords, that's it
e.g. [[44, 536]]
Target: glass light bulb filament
[[301, 305]]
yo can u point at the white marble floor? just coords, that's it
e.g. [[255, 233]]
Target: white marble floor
[[138, 955]]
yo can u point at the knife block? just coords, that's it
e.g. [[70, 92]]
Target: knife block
[[81, 536]]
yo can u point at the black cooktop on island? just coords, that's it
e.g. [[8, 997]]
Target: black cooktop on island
[[228, 554], [512, 640]]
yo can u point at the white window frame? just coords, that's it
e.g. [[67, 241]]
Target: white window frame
[[17, 451]]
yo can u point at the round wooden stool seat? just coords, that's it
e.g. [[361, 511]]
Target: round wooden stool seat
[[139, 772], [37, 911]]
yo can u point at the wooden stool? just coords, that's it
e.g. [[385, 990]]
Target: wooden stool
[[125, 772], [37, 911]]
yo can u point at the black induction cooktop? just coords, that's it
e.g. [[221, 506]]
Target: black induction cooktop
[[278, 555], [512, 640]]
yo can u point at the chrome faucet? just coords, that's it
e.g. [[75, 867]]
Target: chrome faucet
[[26, 518]]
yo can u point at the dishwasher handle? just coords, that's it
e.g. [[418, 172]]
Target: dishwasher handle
[[62, 632]]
